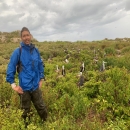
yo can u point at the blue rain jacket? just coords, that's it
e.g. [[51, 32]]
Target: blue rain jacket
[[32, 67]]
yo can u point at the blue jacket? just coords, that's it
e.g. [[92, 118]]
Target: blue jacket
[[32, 67]]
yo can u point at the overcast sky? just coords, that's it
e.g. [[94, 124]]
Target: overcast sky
[[67, 20]]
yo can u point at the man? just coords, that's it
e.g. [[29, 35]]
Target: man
[[31, 74]]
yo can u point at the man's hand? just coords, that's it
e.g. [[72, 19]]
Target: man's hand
[[18, 89], [40, 83]]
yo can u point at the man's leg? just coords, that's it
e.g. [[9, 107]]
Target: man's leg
[[38, 102], [25, 100]]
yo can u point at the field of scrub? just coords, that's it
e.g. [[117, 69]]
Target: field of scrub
[[102, 102]]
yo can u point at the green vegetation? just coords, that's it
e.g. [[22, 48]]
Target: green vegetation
[[102, 103]]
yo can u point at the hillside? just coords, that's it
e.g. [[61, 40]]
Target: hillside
[[101, 101], [12, 37]]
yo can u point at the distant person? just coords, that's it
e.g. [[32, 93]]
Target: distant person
[[31, 75]]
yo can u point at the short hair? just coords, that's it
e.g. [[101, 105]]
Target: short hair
[[24, 29]]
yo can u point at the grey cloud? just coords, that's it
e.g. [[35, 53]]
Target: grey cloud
[[89, 14], [43, 4], [10, 22], [3, 7], [52, 18], [84, 16], [127, 5]]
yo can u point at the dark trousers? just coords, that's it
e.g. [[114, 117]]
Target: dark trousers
[[37, 99]]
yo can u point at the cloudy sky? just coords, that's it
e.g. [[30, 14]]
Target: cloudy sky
[[67, 20]]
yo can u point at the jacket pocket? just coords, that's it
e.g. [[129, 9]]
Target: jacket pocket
[[26, 80]]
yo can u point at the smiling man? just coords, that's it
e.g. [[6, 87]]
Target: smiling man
[[31, 74]]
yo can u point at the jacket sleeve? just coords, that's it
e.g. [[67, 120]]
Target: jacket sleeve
[[11, 68], [40, 66]]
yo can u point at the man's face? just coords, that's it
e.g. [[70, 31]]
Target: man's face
[[26, 37]]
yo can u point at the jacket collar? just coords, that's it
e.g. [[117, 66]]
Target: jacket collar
[[29, 47]]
